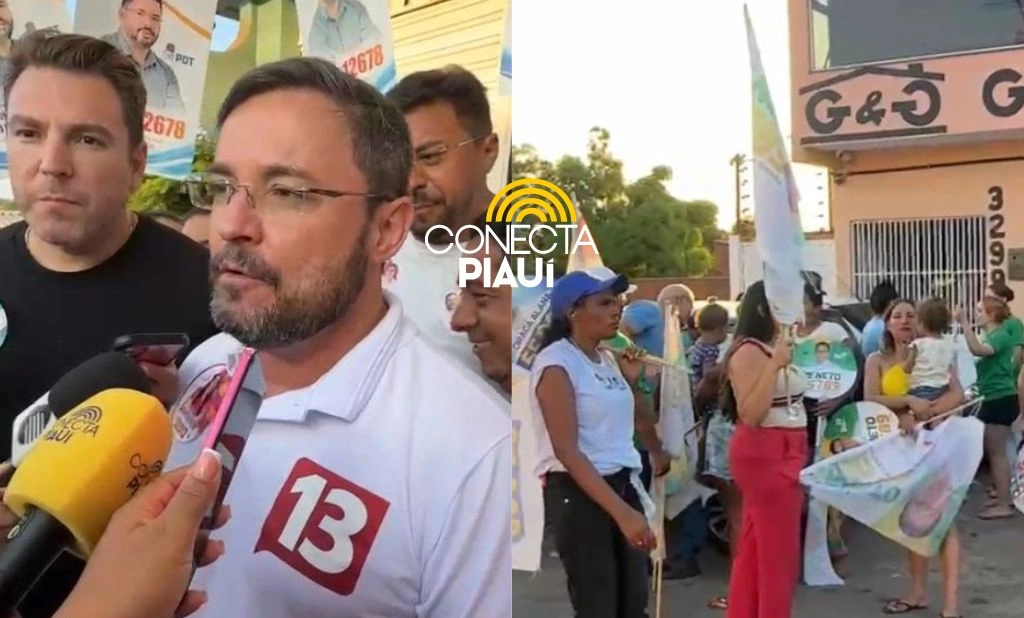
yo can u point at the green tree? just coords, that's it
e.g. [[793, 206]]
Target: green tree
[[157, 193], [640, 228]]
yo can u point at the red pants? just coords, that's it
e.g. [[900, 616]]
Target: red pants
[[766, 464]]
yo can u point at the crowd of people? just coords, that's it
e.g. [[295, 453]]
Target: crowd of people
[[758, 430], [316, 182]]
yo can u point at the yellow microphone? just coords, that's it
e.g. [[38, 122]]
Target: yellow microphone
[[84, 468]]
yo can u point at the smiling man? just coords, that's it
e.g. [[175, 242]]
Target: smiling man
[[484, 314], [139, 23], [454, 148]]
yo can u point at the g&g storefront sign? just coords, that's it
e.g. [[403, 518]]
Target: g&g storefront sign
[[873, 105]]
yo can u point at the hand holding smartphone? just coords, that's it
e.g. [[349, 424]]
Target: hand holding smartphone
[[155, 348], [229, 431]]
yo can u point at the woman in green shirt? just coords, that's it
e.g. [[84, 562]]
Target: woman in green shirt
[[998, 366]]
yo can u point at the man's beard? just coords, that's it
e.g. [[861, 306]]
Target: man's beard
[[294, 316]]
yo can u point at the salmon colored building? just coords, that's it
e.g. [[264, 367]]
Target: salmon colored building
[[917, 107]]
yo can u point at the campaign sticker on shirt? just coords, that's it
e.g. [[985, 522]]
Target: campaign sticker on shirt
[[323, 526], [829, 366], [196, 408], [390, 273], [451, 301], [3, 325]]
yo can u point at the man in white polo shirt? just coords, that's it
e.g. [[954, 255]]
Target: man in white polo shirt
[[454, 148], [376, 481]]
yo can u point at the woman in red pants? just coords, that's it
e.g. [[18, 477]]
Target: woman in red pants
[[766, 455]]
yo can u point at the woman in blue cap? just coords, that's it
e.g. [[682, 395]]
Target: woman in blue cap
[[584, 396]]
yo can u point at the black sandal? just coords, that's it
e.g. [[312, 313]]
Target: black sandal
[[899, 606]]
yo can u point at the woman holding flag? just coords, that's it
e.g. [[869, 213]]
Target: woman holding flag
[[885, 382], [764, 396], [591, 468]]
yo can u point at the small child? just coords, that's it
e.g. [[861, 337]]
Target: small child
[[931, 354], [712, 326]]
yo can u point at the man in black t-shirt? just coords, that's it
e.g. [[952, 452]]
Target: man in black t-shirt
[[82, 270]]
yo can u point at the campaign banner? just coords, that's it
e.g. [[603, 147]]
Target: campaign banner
[[505, 77], [829, 367], [527, 493], [170, 43], [831, 371], [906, 488], [355, 35], [676, 419], [17, 19], [855, 424]]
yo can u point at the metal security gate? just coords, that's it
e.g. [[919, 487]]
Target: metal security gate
[[922, 257]]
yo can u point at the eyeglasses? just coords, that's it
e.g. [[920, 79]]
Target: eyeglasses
[[435, 155], [216, 192]]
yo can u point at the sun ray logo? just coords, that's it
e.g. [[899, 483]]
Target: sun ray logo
[[528, 222]]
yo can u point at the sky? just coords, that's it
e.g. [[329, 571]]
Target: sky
[[224, 30], [669, 79]]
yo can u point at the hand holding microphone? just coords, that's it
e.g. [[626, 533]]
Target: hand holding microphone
[[143, 563], [82, 470]]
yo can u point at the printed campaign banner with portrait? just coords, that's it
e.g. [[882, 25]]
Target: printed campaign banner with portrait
[[353, 34], [908, 489], [830, 368], [831, 371], [855, 424], [170, 43], [17, 19]]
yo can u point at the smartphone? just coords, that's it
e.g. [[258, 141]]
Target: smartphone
[[229, 431], [155, 348]]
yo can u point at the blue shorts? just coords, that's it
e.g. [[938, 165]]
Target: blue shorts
[[929, 393]]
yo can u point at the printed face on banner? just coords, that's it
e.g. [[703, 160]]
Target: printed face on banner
[[353, 34], [17, 19], [170, 43], [829, 366]]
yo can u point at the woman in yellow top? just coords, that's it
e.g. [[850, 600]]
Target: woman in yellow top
[[886, 383]]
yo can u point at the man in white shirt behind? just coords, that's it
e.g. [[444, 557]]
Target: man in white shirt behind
[[376, 481], [454, 148]]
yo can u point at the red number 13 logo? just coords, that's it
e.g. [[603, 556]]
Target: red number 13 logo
[[323, 526]]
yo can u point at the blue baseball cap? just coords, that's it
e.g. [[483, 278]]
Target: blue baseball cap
[[577, 285]]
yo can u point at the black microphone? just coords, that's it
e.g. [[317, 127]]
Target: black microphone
[[99, 373]]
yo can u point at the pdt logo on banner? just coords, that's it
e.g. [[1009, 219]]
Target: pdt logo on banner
[[323, 526]]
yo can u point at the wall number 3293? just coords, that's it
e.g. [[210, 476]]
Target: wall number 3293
[[996, 235], [323, 526]]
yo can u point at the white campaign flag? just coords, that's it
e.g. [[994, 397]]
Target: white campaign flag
[[908, 489], [780, 237], [170, 42], [25, 17], [353, 34]]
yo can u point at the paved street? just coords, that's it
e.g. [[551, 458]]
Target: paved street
[[992, 578]]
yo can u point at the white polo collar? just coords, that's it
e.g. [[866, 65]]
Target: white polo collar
[[347, 387]]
